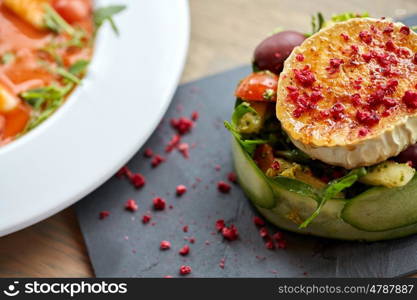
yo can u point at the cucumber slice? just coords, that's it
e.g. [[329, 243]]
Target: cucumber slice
[[252, 180], [380, 209]]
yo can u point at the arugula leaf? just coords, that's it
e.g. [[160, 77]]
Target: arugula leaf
[[68, 75], [332, 189], [54, 22], [248, 145], [295, 155], [318, 22], [414, 28], [7, 58], [45, 101], [347, 16], [104, 14], [79, 67]]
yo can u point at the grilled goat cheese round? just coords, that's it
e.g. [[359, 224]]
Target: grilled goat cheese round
[[348, 96]]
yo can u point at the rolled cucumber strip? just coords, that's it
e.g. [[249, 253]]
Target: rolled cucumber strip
[[380, 209]]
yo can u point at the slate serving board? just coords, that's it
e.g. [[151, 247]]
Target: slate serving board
[[121, 246]]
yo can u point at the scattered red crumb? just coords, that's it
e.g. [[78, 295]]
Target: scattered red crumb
[[282, 244], [220, 225], [305, 274], [184, 148], [167, 276], [367, 118], [131, 205], [173, 143], [123, 171], [410, 99], [217, 167], [299, 57], [185, 270], [278, 236], [334, 65], [258, 221], [345, 36], [230, 233], [159, 203], [275, 165], [191, 240], [184, 250], [223, 187], [365, 36], [148, 153], [222, 263], [181, 190], [232, 177], [269, 244], [405, 30], [182, 125], [195, 116], [137, 179], [171, 206], [263, 232], [185, 228], [103, 214], [157, 160], [304, 76], [146, 219], [165, 245]]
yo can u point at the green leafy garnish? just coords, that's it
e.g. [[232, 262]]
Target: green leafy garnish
[[332, 189], [68, 75], [54, 22], [79, 67], [296, 186], [103, 14], [414, 28], [318, 22], [347, 16], [7, 58], [248, 144], [294, 155], [45, 101]]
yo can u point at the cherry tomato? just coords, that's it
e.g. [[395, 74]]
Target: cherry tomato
[[259, 86], [72, 10]]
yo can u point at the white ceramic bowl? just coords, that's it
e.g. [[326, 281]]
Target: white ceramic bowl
[[129, 86]]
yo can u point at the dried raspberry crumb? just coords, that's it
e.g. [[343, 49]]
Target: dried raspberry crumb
[[269, 244], [146, 219], [184, 250], [405, 30], [304, 76], [220, 225], [159, 203], [191, 240], [103, 214], [167, 276], [123, 171], [195, 116], [223, 187], [173, 143], [230, 233], [278, 236], [299, 57], [282, 244], [148, 153], [157, 160], [138, 180], [182, 125], [232, 177], [365, 36], [184, 148], [185, 270], [222, 263], [275, 165], [410, 99], [363, 132], [258, 221], [263, 232], [217, 167], [185, 228], [165, 245], [345, 36], [367, 118], [131, 205], [181, 189]]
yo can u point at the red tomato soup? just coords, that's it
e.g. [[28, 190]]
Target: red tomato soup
[[45, 46]]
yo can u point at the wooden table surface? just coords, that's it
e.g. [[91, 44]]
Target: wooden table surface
[[223, 35]]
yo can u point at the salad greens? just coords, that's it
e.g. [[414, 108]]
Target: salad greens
[[103, 14], [54, 22], [318, 22]]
